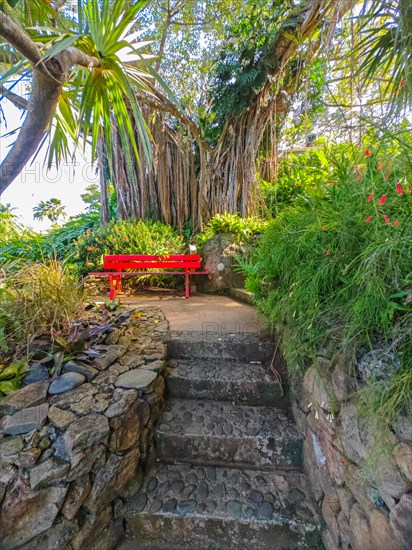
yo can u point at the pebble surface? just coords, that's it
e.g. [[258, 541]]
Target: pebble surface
[[183, 489]]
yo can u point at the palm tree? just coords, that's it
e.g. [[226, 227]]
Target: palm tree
[[51, 209], [84, 70]]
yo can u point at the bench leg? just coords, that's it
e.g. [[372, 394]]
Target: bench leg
[[115, 286], [187, 285], [112, 293]]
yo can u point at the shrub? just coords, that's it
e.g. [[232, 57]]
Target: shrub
[[300, 174], [27, 245], [124, 237], [243, 228], [333, 272]]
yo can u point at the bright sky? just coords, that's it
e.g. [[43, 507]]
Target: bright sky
[[36, 183]]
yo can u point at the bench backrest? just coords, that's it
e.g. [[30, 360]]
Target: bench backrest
[[118, 262]]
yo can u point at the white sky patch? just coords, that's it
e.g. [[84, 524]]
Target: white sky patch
[[36, 183]]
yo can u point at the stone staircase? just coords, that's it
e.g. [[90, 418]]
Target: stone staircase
[[229, 473]]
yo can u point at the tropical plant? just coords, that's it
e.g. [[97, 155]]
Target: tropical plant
[[85, 67], [386, 49], [11, 375], [332, 272], [51, 209]]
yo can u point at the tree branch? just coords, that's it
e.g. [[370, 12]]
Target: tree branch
[[159, 102], [17, 100], [48, 78], [21, 42]]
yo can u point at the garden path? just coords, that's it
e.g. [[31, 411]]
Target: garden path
[[228, 471]]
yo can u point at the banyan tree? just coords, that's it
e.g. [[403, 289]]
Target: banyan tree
[[193, 177]]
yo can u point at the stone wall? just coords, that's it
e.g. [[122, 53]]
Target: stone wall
[[361, 476], [68, 459]]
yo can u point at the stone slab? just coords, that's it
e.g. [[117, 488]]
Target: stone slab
[[222, 508], [139, 379], [26, 420], [216, 432], [245, 383], [221, 345], [66, 382], [29, 396]]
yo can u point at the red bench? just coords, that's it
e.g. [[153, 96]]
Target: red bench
[[118, 263]]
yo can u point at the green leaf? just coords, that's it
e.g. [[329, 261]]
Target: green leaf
[[60, 45]]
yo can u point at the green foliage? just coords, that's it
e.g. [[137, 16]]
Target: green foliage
[[36, 298], [386, 49], [57, 243], [51, 209], [92, 198], [11, 376], [9, 228], [299, 174], [243, 228], [125, 237], [246, 59], [333, 271]]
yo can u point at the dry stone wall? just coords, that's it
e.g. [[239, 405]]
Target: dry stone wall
[[361, 476], [68, 459]]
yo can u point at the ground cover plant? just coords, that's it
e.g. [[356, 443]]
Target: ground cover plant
[[244, 229], [333, 272]]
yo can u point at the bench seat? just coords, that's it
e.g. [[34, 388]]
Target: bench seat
[[134, 263]]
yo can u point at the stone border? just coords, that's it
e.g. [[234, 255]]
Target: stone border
[[361, 477], [68, 460]]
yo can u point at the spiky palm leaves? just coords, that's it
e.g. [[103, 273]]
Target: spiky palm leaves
[[91, 95], [386, 50]]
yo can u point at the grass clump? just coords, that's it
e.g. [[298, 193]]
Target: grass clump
[[35, 299]]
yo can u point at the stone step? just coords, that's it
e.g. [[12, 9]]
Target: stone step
[[231, 346], [251, 384], [216, 433], [182, 506], [243, 295]]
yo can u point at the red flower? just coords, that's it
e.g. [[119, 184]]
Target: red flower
[[386, 219], [326, 252], [382, 200], [399, 189], [323, 228], [396, 223], [368, 219], [342, 462], [367, 153], [380, 166], [370, 198], [358, 178]]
